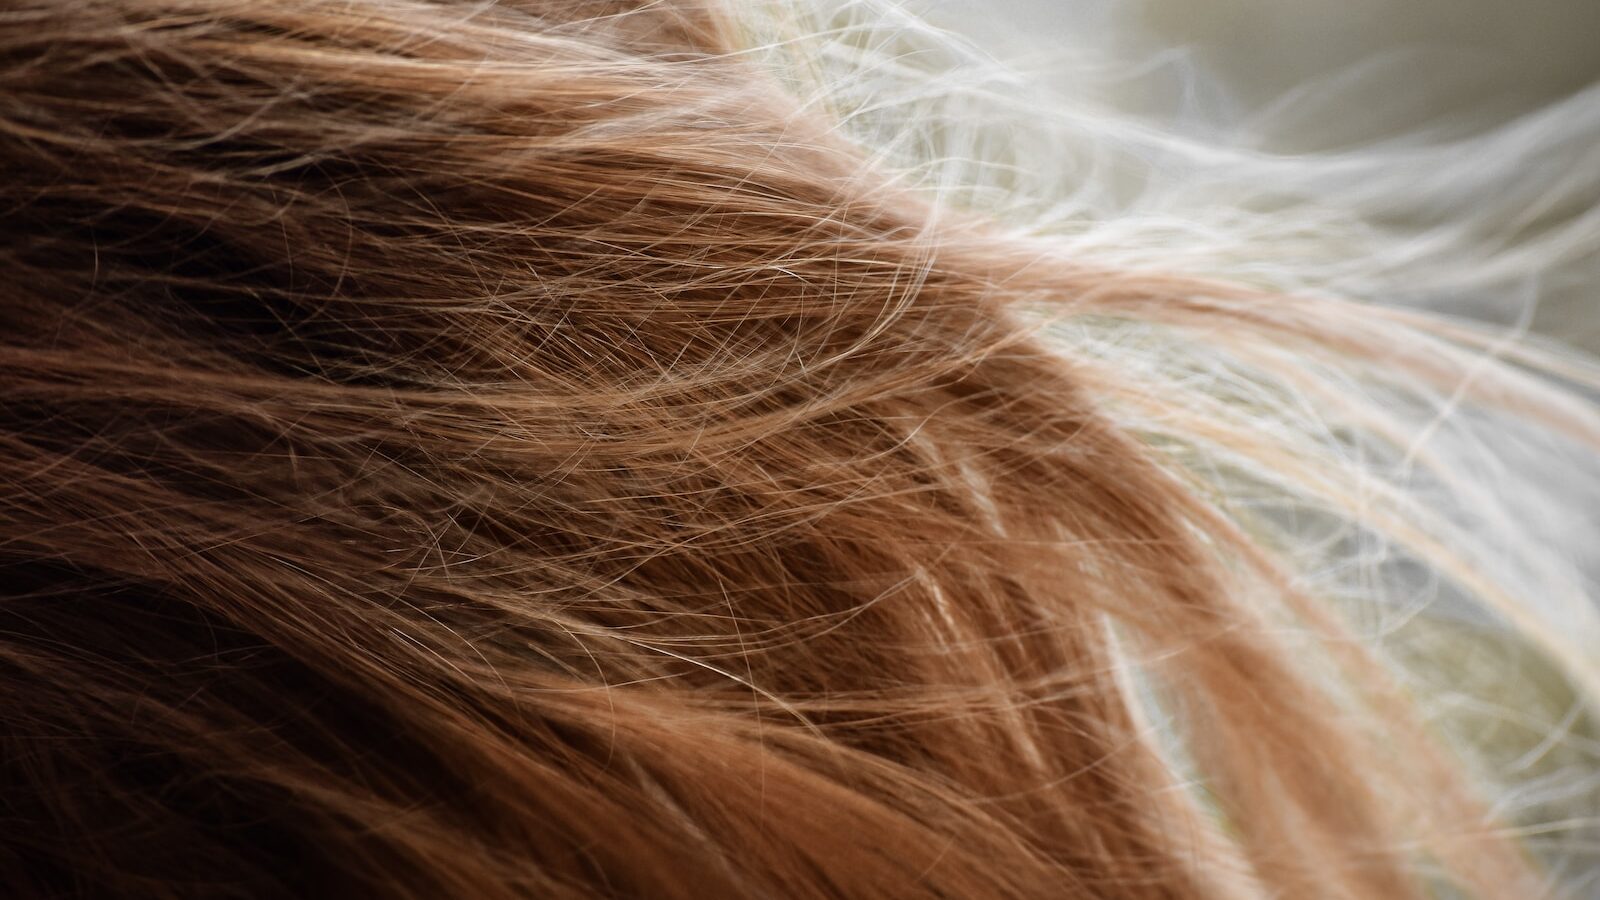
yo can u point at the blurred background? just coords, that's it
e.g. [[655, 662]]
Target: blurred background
[[1482, 61], [1309, 78]]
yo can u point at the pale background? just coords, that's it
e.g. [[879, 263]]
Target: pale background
[[1310, 76]]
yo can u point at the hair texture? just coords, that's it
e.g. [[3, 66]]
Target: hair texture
[[572, 448]]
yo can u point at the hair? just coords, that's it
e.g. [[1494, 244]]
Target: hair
[[575, 448]]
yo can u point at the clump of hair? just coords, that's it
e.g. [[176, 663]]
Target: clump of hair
[[532, 448]]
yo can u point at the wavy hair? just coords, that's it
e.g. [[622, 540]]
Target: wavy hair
[[567, 448]]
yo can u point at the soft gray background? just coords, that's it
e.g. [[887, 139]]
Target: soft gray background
[[1488, 58], [1309, 76]]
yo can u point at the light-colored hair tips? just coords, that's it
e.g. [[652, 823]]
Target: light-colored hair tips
[[533, 449]]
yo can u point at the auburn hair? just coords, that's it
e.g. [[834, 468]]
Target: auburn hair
[[531, 449]]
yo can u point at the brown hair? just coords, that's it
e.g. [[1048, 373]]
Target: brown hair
[[518, 449]]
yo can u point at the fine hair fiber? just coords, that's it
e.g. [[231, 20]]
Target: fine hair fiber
[[591, 448]]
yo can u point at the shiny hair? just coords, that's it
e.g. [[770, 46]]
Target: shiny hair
[[544, 448]]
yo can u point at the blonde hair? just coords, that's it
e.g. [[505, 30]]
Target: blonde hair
[[539, 449]]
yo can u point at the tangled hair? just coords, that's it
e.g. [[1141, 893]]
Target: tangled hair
[[547, 448]]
